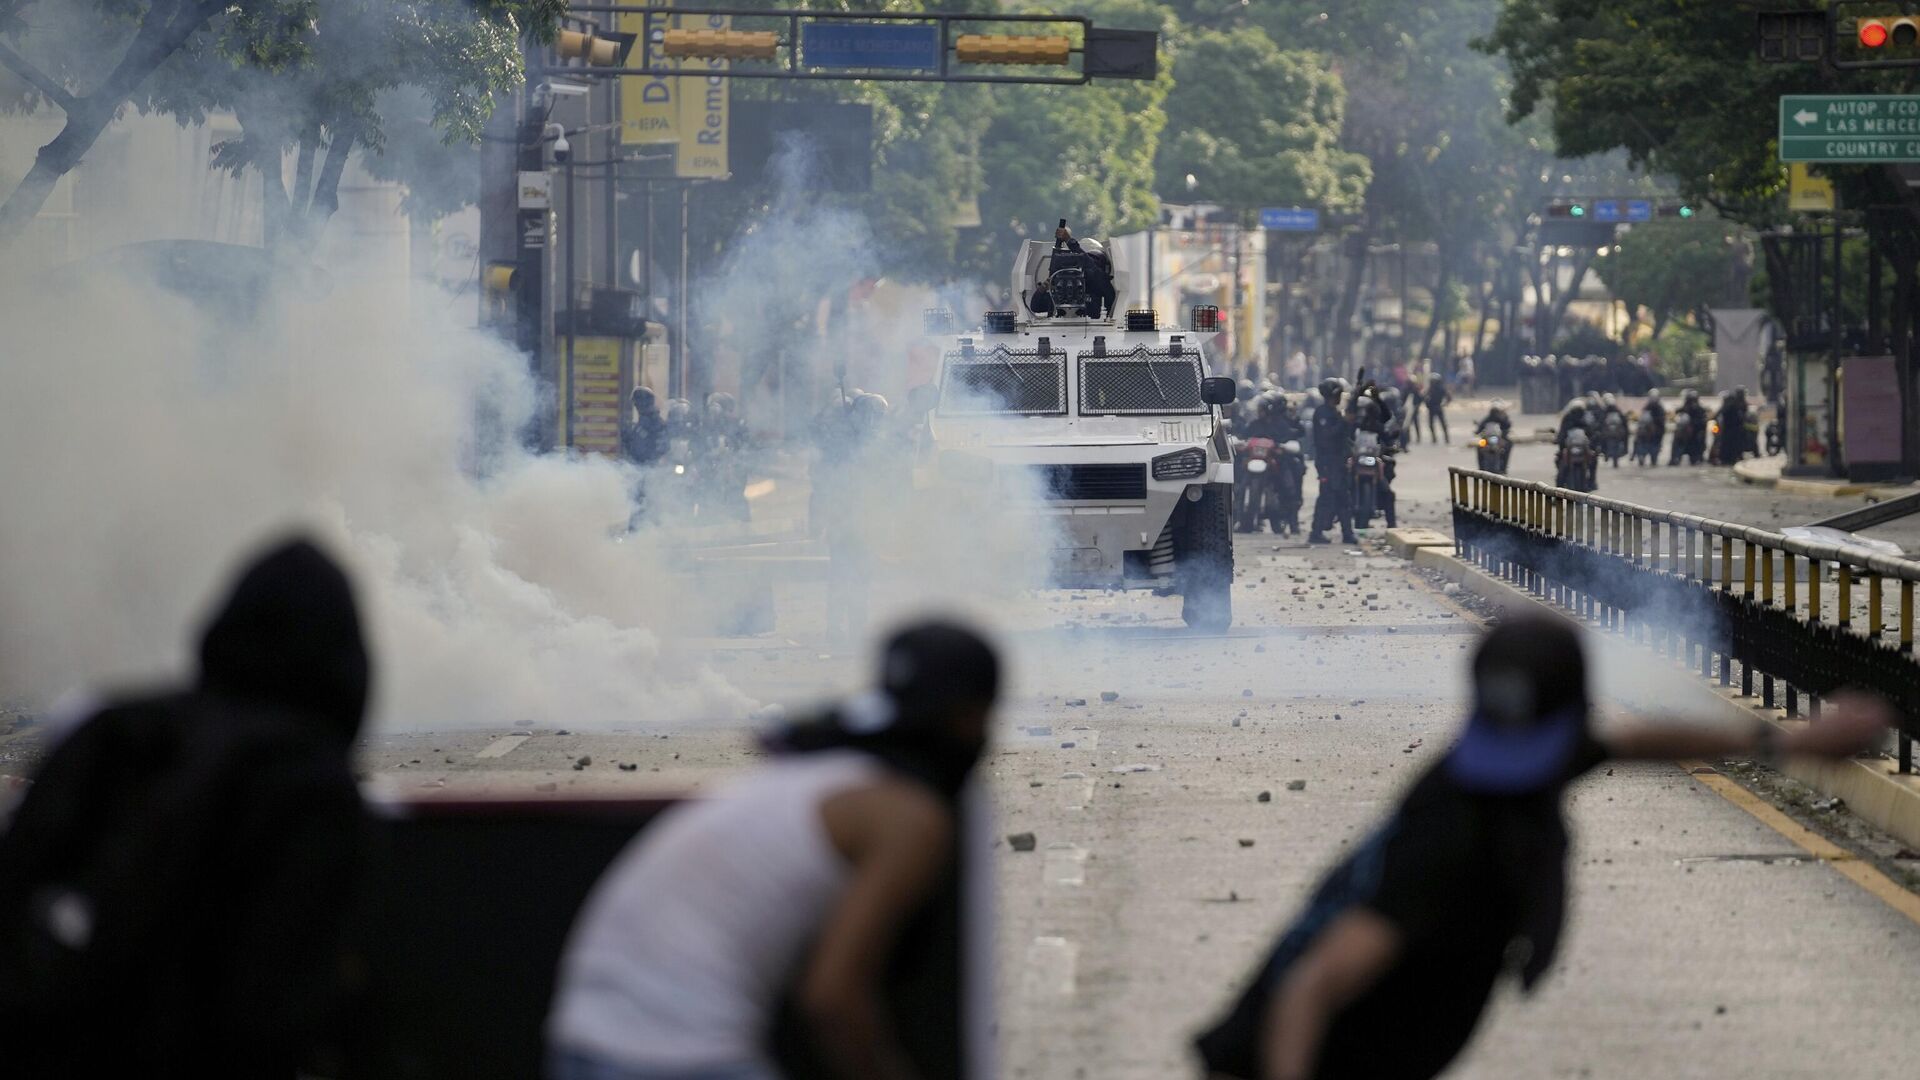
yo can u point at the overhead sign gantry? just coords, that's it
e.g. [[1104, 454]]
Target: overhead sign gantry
[[875, 46]]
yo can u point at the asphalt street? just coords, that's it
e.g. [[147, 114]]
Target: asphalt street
[[1184, 791]]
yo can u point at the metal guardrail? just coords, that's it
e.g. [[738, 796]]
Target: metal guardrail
[[1710, 594]]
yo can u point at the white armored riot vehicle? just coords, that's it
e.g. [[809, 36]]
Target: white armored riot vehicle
[[1108, 426]]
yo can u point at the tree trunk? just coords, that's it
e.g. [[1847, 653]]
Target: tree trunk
[[1483, 302], [84, 125], [164, 28], [303, 175], [1440, 286], [1342, 351], [326, 190], [1564, 299]]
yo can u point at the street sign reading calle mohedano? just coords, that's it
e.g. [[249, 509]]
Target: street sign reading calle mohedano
[[1856, 128]]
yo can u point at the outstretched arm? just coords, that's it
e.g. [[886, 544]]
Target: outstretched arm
[[1853, 722]]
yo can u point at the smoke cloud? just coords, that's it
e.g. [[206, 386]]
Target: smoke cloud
[[151, 435]]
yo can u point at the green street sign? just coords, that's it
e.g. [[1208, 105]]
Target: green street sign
[[1844, 128]]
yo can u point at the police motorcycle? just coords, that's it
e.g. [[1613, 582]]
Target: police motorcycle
[[1689, 435], [1613, 432], [1493, 448], [1646, 440], [1577, 462], [1372, 473]]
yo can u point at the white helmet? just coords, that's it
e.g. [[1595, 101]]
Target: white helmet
[[1092, 246]]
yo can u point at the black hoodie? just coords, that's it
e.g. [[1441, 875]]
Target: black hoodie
[[173, 886]]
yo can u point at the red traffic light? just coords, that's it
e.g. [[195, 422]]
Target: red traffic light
[[1873, 34]]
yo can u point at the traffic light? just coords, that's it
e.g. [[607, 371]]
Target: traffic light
[[720, 44], [1012, 49], [598, 48], [1683, 211], [497, 282], [1568, 211], [1898, 31], [1790, 37]]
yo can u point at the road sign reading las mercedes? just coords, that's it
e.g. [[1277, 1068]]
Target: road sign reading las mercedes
[[1850, 128]]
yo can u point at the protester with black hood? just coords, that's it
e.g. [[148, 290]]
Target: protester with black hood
[[173, 887], [794, 883], [1385, 974]]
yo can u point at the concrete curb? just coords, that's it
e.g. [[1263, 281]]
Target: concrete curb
[[1871, 789], [1765, 472], [1405, 542]]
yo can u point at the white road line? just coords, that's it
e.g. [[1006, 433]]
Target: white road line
[[1065, 864], [501, 746], [1050, 968]]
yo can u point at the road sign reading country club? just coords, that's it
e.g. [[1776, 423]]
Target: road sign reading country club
[[1864, 128]]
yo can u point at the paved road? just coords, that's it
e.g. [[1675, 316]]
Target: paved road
[[1700, 946], [1708, 491]]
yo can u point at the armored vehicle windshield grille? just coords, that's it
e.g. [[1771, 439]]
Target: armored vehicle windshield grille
[[1002, 380], [1101, 482], [1145, 382]]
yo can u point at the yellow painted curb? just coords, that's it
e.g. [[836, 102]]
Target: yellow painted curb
[[1843, 862]]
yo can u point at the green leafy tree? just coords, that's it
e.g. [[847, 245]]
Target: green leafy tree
[[1668, 268], [53, 52], [1257, 126], [302, 76]]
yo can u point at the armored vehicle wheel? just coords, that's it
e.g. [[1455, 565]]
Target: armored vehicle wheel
[[1204, 543]]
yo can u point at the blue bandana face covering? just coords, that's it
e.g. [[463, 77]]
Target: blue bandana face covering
[[1498, 758]]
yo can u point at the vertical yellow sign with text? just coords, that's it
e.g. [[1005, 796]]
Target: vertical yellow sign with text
[[704, 110], [649, 104], [1807, 192]]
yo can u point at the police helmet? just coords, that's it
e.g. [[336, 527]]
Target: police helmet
[[1692, 396], [1606, 400], [644, 400], [1331, 390], [1390, 397], [1246, 390], [721, 403], [679, 409], [1093, 247]]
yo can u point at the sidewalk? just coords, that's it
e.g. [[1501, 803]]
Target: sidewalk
[[1765, 472]]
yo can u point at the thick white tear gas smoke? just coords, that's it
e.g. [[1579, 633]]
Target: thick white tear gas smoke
[[146, 441]]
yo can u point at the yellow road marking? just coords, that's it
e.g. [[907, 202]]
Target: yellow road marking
[[1844, 862]]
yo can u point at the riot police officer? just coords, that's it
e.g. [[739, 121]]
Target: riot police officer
[[1332, 446], [1696, 416], [645, 440]]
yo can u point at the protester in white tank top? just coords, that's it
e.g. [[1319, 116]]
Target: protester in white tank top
[[791, 882]]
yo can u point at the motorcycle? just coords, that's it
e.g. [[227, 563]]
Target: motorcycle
[[1372, 493], [1576, 463], [1493, 448], [1274, 471], [1646, 442], [1613, 438]]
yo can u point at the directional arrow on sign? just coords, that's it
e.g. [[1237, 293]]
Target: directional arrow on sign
[[1804, 117]]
